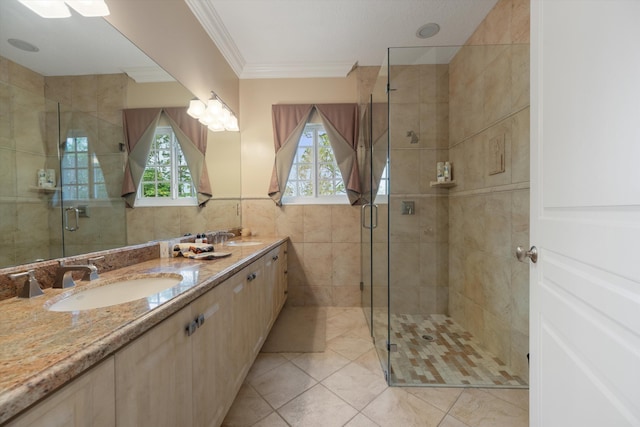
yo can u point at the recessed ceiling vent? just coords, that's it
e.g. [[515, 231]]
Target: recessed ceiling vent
[[23, 45], [428, 30]]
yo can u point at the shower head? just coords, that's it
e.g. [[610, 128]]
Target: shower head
[[414, 137]]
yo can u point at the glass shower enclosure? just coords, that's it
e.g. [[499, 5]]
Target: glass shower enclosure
[[61, 166], [445, 299]]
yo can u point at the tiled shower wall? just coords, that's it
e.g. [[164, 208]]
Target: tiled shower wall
[[24, 210], [418, 242], [92, 105], [489, 213]]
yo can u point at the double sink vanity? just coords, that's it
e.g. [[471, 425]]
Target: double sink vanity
[[167, 341]]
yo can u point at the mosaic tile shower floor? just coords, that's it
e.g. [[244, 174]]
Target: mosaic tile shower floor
[[436, 350]]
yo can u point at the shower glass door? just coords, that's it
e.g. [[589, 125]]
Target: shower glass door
[[375, 237], [93, 214]]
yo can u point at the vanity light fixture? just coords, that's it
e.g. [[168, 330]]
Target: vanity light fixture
[[214, 114], [196, 108], [59, 9]]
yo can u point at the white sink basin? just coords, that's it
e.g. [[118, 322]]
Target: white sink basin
[[117, 292], [239, 243]]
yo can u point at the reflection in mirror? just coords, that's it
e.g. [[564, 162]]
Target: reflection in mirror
[[61, 162]]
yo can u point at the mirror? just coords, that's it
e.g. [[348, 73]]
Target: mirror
[[61, 162]]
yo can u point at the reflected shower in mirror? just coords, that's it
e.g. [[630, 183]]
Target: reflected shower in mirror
[[61, 118]]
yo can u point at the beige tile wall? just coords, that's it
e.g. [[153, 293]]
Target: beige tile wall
[[94, 104], [324, 256], [419, 242], [23, 226], [489, 214], [147, 223]]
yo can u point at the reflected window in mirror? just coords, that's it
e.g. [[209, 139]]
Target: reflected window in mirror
[[82, 177], [166, 180], [383, 186]]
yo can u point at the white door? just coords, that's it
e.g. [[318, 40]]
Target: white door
[[585, 213]]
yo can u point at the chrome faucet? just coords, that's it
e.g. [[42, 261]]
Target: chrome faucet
[[222, 236], [30, 287], [64, 278]]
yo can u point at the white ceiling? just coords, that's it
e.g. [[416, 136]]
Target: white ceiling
[[72, 46], [259, 38], [326, 38]]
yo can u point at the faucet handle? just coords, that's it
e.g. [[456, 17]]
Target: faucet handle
[[91, 273], [93, 260], [31, 287]]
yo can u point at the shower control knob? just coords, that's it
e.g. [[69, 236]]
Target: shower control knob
[[532, 254]]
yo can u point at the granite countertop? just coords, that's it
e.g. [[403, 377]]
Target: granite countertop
[[41, 350]]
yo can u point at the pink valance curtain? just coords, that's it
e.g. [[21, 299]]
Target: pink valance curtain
[[139, 129], [341, 124]]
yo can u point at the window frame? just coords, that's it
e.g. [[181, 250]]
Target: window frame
[[315, 199], [174, 199], [92, 166]]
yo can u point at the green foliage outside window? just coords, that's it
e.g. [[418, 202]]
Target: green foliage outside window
[[314, 172], [167, 174], [81, 174]]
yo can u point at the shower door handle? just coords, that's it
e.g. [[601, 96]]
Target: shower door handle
[[66, 219], [364, 216]]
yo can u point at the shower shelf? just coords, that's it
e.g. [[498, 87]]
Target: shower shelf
[[446, 184]]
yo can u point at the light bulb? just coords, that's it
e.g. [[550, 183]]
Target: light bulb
[[215, 106], [207, 118], [89, 8], [48, 9], [196, 108], [232, 124], [216, 126]]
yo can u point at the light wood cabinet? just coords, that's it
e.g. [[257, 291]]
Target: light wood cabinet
[[276, 273], [154, 376], [89, 400], [245, 318], [168, 377], [213, 380], [193, 380]]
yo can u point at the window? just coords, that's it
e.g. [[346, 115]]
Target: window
[[82, 177], [383, 185], [166, 179], [315, 173]]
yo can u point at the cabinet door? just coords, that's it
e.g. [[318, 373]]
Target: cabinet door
[[281, 287], [153, 376], [240, 317], [245, 318], [87, 401], [212, 356], [276, 270], [271, 263], [257, 283]]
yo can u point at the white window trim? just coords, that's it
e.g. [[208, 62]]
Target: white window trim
[[336, 199], [339, 199], [165, 201]]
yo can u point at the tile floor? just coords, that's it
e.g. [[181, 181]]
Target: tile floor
[[344, 386], [449, 355]]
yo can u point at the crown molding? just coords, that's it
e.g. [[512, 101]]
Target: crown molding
[[307, 70], [215, 28]]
